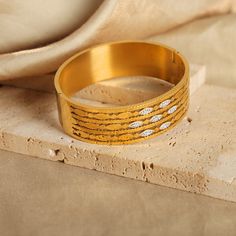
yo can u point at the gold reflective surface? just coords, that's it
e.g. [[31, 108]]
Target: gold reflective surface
[[115, 125]]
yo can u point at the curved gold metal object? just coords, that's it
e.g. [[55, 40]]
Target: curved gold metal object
[[124, 124]]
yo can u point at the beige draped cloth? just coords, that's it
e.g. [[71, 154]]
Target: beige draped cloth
[[37, 36], [46, 198]]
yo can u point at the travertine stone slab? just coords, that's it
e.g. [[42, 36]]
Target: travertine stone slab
[[197, 156]]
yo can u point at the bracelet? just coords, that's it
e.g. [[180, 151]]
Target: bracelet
[[123, 124]]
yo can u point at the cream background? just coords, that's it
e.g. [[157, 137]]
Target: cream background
[[43, 198]]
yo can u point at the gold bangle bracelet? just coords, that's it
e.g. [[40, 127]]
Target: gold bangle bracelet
[[123, 124]]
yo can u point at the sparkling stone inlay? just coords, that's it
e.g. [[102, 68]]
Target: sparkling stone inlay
[[155, 118], [146, 111], [147, 132], [165, 103], [172, 109], [136, 124], [165, 125]]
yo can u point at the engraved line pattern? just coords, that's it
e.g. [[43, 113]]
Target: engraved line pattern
[[122, 125], [124, 114], [98, 140], [76, 109], [112, 133]]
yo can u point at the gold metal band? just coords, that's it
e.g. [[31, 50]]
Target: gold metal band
[[125, 124]]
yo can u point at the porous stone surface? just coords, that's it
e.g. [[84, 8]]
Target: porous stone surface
[[197, 156]]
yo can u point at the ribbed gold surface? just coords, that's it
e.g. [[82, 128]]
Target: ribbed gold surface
[[126, 124]]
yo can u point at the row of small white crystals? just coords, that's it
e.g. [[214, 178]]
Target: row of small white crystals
[[153, 119]]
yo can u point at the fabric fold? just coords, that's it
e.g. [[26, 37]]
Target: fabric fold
[[113, 20]]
